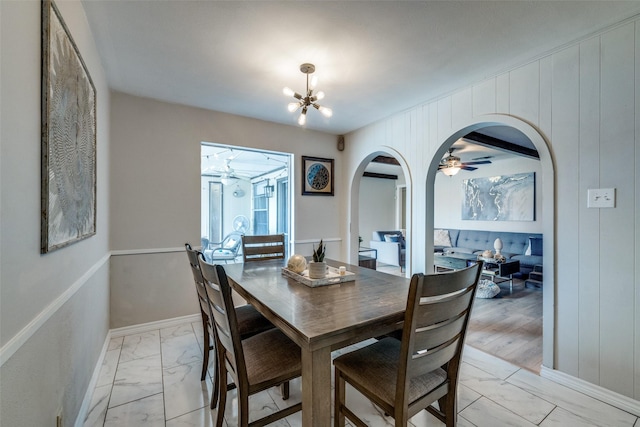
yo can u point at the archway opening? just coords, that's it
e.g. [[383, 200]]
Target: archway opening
[[523, 339]]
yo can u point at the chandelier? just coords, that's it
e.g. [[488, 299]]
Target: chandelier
[[309, 99]]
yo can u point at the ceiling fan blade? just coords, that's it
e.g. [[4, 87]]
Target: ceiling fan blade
[[467, 168], [482, 162]]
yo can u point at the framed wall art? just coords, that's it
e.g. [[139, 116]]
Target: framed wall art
[[317, 176], [68, 165], [500, 198]]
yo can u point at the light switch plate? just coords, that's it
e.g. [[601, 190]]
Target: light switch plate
[[601, 198]]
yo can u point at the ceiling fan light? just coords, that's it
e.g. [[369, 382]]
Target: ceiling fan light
[[228, 180], [450, 171]]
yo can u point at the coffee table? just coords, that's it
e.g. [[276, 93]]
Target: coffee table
[[452, 260]]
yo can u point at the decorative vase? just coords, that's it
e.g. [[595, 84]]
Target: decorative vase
[[317, 270]]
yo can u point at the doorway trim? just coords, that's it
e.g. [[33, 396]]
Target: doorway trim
[[354, 206], [548, 194]]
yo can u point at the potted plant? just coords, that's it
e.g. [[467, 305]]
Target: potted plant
[[318, 268]]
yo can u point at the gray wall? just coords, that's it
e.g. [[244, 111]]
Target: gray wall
[[155, 199], [54, 308], [585, 102]]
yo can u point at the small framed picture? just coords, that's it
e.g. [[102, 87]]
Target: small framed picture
[[317, 176]]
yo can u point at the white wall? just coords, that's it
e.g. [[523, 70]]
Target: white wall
[[377, 206], [155, 180], [448, 197], [54, 308], [585, 101]]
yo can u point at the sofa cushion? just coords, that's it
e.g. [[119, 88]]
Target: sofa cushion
[[391, 238], [528, 260], [535, 243], [441, 238]]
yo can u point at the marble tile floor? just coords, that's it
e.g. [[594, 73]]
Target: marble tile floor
[[153, 379]]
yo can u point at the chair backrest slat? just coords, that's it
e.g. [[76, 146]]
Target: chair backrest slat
[[263, 247], [427, 362], [437, 312], [436, 336]]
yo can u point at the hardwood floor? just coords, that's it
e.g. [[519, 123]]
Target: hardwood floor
[[509, 326]]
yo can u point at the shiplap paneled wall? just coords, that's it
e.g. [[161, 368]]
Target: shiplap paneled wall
[[583, 101]]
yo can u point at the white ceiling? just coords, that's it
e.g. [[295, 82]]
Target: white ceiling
[[373, 58]]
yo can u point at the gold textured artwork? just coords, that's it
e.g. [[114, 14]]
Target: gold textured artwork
[[68, 137]]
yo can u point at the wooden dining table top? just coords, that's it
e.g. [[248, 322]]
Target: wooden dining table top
[[326, 315]]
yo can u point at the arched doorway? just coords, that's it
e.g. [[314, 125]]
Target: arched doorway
[[546, 196], [374, 190]]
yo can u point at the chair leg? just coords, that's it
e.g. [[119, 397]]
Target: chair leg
[[216, 381], [448, 405], [206, 349], [243, 408], [222, 401], [284, 389], [338, 418]]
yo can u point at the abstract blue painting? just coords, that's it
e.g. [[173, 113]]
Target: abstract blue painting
[[500, 198]]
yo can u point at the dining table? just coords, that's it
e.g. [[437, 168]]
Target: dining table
[[322, 319]]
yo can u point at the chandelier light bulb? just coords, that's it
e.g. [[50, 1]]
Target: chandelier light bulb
[[319, 95], [293, 106], [302, 120], [288, 92], [314, 82]]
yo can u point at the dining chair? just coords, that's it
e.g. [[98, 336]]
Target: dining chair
[[405, 376], [250, 321], [263, 247], [257, 363]]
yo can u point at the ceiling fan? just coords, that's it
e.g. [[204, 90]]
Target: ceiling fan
[[451, 164]]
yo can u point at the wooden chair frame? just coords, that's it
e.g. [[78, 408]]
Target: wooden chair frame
[[436, 319], [263, 247], [230, 351]]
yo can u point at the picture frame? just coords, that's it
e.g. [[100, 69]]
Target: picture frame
[[68, 132], [317, 176], [500, 198]]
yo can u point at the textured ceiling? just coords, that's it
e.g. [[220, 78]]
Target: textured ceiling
[[373, 58]]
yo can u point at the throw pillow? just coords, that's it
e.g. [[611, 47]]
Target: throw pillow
[[441, 238], [536, 245], [528, 250], [231, 243], [391, 238]]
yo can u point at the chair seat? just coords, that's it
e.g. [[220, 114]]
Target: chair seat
[[271, 357], [250, 321], [375, 367]]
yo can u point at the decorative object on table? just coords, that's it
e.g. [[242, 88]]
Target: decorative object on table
[[297, 263], [309, 100], [318, 268], [317, 176], [497, 245], [487, 254], [68, 199], [332, 277], [499, 198], [487, 289]]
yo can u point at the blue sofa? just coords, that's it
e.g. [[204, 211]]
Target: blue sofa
[[524, 247]]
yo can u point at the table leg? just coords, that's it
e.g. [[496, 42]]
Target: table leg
[[316, 387]]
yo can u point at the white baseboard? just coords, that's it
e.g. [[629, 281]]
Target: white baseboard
[[86, 401], [160, 324], [612, 398]]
